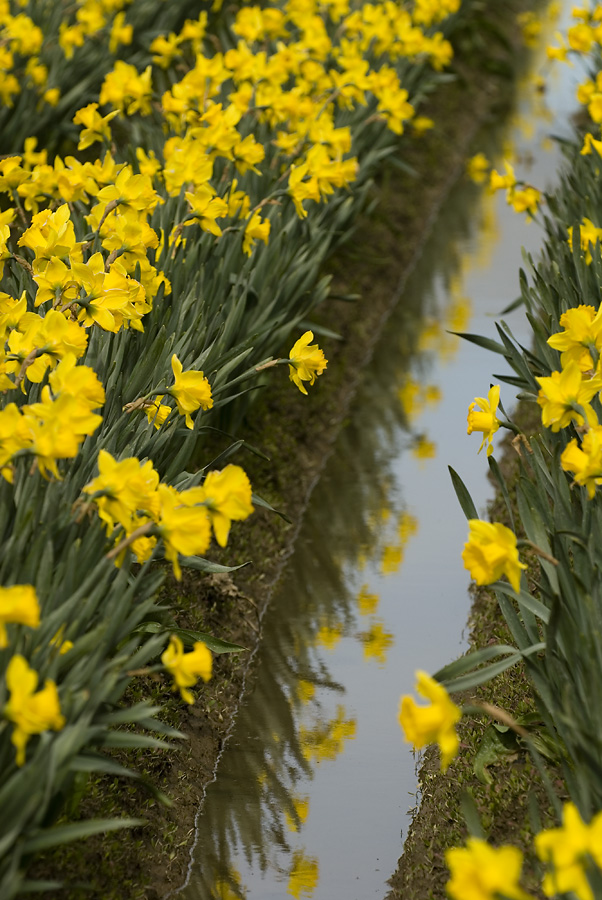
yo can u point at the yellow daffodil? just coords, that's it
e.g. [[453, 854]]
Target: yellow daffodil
[[566, 396], [18, 604], [585, 461], [184, 529], [484, 418], [157, 412], [187, 668], [567, 850], [96, 127], [306, 361], [589, 234], [481, 872], [191, 390], [424, 725], [491, 552], [227, 498], [31, 712], [124, 487], [581, 337]]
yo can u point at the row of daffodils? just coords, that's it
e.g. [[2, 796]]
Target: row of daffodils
[[170, 187], [553, 609]]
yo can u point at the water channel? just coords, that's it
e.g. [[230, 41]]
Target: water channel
[[314, 790]]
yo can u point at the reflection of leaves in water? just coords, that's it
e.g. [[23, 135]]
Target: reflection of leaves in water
[[301, 811], [303, 879], [228, 887]]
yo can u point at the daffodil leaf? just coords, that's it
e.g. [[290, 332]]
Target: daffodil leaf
[[205, 565], [484, 342], [63, 834], [463, 496], [217, 645], [258, 501]]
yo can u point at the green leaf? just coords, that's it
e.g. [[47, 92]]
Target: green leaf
[[463, 496], [205, 565], [471, 815], [497, 474], [216, 645], [265, 505], [471, 660], [525, 600], [480, 341], [63, 834]]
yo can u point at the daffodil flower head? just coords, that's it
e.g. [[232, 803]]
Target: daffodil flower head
[[566, 850], [481, 872], [187, 668], [32, 712], [18, 604], [424, 725], [566, 396], [585, 461], [306, 361], [191, 390], [491, 552], [482, 417], [227, 498]]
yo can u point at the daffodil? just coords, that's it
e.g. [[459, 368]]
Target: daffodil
[[491, 552], [306, 361], [567, 850], [581, 338], [187, 668], [566, 396], [191, 390], [435, 723], [32, 712], [227, 498], [184, 529], [482, 417], [18, 604], [585, 461], [481, 872]]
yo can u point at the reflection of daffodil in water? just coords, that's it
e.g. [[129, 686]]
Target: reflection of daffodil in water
[[326, 741], [304, 875], [407, 526], [305, 691], [301, 811], [376, 642], [329, 636], [228, 887], [423, 449], [366, 602], [391, 559], [458, 315]]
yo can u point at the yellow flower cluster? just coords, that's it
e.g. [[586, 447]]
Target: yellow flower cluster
[[522, 197], [481, 872], [129, 496]]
